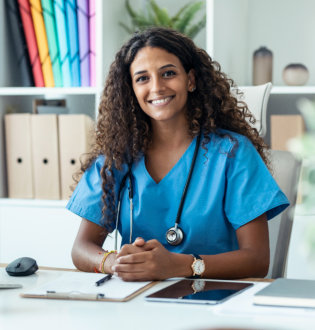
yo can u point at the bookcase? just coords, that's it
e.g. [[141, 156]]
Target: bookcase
[[44, 229]]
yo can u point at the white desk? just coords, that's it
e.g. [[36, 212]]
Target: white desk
[[27, 313]]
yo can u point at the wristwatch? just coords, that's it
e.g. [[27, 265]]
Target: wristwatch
[[198, 266]]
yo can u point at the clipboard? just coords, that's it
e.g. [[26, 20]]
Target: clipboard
[[81, 286]]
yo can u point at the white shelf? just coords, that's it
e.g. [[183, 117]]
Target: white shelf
[[40, 203], [290, 89], [293, 90], [19, 91]]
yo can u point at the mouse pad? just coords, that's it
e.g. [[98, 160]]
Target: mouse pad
[[199, 291]]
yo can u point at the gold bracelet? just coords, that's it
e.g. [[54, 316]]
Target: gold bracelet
[[106, 254]]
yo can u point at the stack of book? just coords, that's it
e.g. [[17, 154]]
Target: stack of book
[[54, 41]]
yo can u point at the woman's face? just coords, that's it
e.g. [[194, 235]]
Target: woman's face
[[160, 83]]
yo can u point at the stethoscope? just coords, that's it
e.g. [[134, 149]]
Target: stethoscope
[[174, 235]]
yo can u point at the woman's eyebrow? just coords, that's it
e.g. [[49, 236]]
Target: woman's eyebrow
[[161, 68]]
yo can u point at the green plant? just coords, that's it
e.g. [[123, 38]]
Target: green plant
[[153, 15]]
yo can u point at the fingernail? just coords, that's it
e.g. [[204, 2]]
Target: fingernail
[[115, 273]]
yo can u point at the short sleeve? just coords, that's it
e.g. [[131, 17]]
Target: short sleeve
[[250, 189], [86, 200]]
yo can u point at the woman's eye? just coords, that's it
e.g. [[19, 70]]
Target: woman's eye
[[142, 79], [169, 73]]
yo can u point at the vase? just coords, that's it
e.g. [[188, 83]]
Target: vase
[[295, 74], [262, 66]]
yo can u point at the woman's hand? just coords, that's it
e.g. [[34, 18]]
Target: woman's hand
[[143, 261]]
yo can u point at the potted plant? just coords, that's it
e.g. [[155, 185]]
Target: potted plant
[[153, 15]]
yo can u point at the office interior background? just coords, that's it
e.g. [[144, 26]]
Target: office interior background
[[235, 29]]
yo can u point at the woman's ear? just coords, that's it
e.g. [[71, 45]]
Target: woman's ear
[[191, 80]]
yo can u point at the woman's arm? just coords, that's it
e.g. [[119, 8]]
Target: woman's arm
[[87, 252], [156, 263]]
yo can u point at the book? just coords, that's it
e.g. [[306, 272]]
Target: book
[[62, 31], [81, 286], [22, 58], [92, 31], [84, 44], [42, 43], [287, 292], [73, 39], [51, 30], [29, 32]]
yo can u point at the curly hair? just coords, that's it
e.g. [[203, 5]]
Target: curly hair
[[123, 131]]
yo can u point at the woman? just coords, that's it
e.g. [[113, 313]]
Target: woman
[[167, 120]]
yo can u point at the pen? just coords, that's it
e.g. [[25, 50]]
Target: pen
[[104, 279]]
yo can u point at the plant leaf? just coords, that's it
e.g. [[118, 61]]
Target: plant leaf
[[176, 17], [193, 30], [187, 15], [161, 16]]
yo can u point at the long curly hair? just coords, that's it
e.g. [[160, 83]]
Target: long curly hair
[[123, 130]]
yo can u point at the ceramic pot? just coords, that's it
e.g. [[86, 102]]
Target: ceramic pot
[[262, 66], [295, 74]]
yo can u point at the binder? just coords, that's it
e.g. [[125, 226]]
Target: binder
[[19, 155], [45, 156], [49, 18], [75, 139], [62, 31], [41, 37], [22, 57], [71, 14], [84, 46], [92, 32], [29, 32]]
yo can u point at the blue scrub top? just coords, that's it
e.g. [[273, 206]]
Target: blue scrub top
[[229, 187]]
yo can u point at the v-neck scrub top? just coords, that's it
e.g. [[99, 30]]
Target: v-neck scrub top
[[229, 187]]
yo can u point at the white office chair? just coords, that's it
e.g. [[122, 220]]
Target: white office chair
[[256, 98], [286, 171]]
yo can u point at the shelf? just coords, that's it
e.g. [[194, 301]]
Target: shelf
[[18, 91], [290, 89], [40, 203]]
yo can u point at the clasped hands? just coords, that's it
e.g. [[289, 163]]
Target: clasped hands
[[144, 261]]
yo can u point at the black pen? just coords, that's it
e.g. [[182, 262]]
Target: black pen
[[104, 279]]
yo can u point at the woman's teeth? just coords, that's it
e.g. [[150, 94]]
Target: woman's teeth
[[161, 101]]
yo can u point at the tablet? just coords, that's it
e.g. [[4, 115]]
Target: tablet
[[199, 291]]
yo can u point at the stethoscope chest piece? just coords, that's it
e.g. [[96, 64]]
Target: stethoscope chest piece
[[174, 236]]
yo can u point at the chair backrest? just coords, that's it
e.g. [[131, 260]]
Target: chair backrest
[[286, 172], [256, 98]]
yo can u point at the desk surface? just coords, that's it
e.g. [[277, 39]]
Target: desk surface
[[28, 313]]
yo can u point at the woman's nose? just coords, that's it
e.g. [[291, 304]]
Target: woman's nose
[[157, 85]]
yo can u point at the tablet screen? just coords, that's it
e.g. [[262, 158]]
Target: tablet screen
[[199, 291]]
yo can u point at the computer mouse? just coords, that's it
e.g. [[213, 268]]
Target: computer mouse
[[22, 267]]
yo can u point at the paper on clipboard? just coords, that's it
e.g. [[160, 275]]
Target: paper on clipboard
[[81, 286]]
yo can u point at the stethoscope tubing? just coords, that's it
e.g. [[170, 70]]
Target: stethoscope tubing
[[181, 204]]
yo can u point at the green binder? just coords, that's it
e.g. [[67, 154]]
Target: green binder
[[49, 18]]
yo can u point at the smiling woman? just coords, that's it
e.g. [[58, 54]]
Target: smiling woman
[[176, 169]]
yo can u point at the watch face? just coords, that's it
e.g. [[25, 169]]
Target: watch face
[[199, 266]]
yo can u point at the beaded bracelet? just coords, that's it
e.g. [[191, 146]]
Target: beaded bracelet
[[106, 254]]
